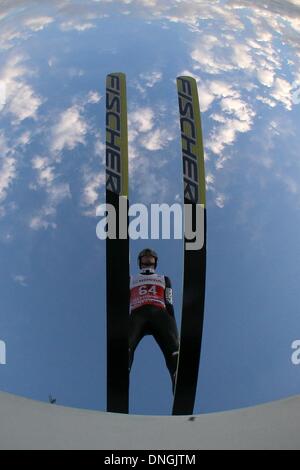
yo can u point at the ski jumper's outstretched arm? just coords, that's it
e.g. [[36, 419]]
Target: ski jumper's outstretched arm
[[169, 296]]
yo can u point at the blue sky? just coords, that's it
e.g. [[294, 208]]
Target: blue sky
[[53, 61]]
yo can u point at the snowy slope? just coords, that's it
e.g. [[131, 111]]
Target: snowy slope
[[25, 424]]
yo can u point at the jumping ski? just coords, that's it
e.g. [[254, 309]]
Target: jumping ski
[[117, 250], [194, 259]]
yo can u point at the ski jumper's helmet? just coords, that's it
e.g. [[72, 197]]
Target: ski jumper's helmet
[[148, 252]]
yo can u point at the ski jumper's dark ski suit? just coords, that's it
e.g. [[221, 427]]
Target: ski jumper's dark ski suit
[[152, 313]]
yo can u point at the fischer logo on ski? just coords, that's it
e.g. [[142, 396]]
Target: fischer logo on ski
[[188, 136], [113, 134]]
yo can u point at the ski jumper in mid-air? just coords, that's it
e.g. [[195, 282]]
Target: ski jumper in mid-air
[[152, 312]]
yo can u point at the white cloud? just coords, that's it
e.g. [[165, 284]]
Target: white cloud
[[100, 150], [38, 163], [4, 149], [99, 147], [240, 109], [70, 130], [241, 56], [2, 95], [38, 23], [225, 53], [211, 90], [282, 92], [149, 184], [226, 134], [266, 76], [93, 97], [45, 178], [151, 78], [295, 24], [156, 139], [220, 200], [8, 35], [237, 117], [222, 89], [40, 221], [76, 25], [45, 171], [24, 139], [256, 56], [142, 119], [222, 159], [218, 118], [24, 103], [8, 174], [94, 184], [206, 97], [21, 99], [52, 61], [266, 101], [210, 181], [56, 193], [20, 279], [210, 56]]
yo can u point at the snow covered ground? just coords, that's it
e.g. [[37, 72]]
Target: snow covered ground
[[25, 424]]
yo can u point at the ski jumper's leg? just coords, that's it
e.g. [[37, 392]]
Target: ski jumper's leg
[[137, 330], [164, 330]]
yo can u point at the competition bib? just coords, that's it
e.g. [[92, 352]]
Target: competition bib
[[147, 290]]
